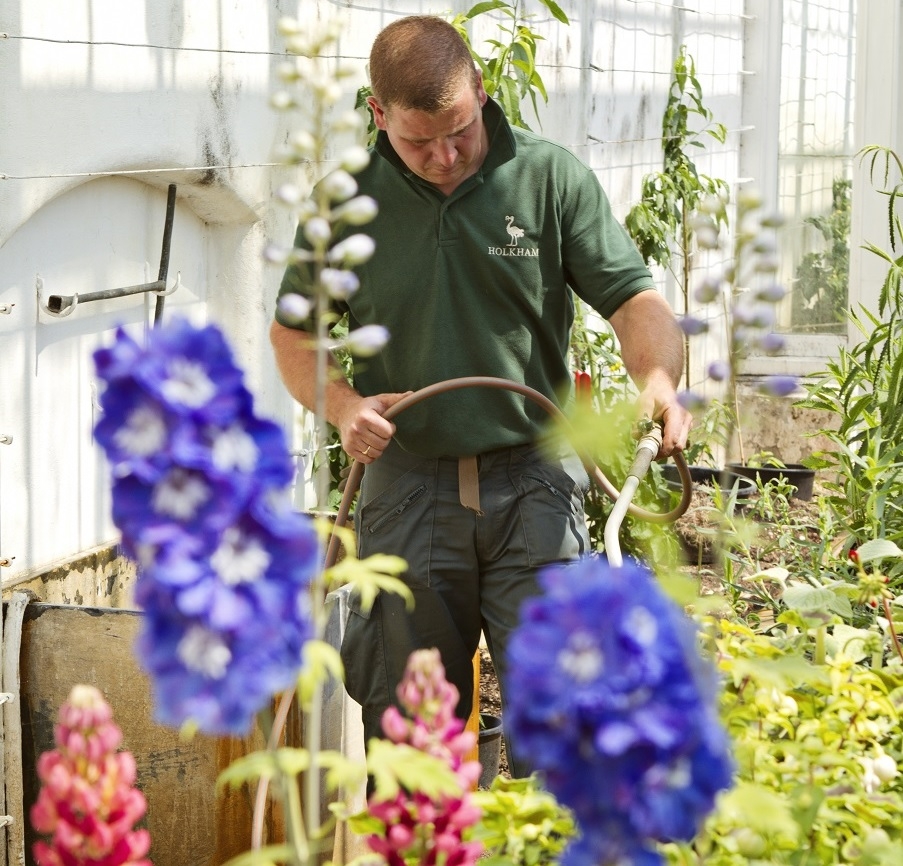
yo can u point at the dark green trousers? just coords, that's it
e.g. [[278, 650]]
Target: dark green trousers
[[468, 572]]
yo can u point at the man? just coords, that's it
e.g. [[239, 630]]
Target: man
[[482, 234]]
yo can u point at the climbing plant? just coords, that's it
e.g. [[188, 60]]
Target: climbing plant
[[661, 222], [822, 277], [509, 70]]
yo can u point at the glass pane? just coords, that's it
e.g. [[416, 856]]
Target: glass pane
[[815, 158]]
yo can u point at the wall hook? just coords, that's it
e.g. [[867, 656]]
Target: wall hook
[[162, 293], [58, 306]]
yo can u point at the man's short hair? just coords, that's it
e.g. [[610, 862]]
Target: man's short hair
[[420, 62]]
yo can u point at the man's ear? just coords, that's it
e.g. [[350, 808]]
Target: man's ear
[[481, 91], [379, 116]]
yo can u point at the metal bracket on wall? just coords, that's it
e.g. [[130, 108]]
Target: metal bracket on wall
[[60, 306]]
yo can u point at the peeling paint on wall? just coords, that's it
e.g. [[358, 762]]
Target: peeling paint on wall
[[102, 577]]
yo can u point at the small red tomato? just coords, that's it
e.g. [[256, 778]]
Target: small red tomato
[[583, 385]]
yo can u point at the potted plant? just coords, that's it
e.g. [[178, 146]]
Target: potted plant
[[764, 468], [490, 747]]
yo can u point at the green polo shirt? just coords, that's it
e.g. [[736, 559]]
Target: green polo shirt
[[478, 283]]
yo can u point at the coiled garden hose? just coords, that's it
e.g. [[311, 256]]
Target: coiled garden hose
[[647, 447], [595, 473]]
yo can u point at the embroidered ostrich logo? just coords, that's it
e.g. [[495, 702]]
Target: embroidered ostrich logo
[[514, 231]]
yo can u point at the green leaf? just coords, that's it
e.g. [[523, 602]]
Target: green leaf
[[878, 548], [809, 599], [398, 765], [482, 8], [759, 808], [363, 824], [371, 575], [851, 641], [264, 765], [556, 10], [784, 672], [248, 768], [776, 574], [806, 800], [341, 772], [321, 662]]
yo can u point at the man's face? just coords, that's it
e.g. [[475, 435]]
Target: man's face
[[444, 148]]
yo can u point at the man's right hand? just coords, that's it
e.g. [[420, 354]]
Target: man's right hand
[[364, 432]]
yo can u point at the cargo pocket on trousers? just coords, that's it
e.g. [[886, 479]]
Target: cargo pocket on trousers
[[551, 507], [363, 656], [399, 522]]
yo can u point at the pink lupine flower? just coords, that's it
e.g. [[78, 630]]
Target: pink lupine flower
[[87, 803], [420, 830]]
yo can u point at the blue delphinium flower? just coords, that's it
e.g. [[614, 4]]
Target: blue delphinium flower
[[199, 494], [612, 702]]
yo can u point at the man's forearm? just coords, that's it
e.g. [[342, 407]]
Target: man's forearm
[[297, 361], [652, 344]]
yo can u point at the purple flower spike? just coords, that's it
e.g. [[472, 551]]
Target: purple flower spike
[[691, 401], [610, 697], [771, 343], [225, 571], [779, 386], [692, 326], [772, 293], [719, 371], [708, 290]]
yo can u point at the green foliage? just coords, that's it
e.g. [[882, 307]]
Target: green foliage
[[398, 765], [603, 430], [876, 154], [822, 278], [669, 196], [709, 435], [807, 739], [370, 576], [660, 223], [509, 69], [522, 825], [862, 390]]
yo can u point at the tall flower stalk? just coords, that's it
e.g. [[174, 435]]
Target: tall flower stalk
[[200, 496], [746, 295], [419, 815], [311, 91], [88, 805], [618, 712]]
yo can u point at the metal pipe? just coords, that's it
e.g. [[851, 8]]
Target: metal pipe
[[63, 305], [164, 252], [59, 303]]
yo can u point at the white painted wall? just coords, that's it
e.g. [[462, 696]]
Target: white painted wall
[[103, 103], [93, 133]]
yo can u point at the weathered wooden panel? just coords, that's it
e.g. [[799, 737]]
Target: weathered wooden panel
[[188, 821]]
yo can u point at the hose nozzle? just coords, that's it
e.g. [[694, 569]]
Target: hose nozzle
[[649, 436]]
